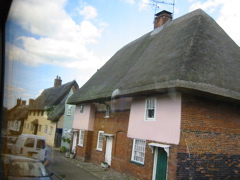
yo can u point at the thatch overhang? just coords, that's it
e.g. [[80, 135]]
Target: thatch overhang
[[57, 112], [191, 53]]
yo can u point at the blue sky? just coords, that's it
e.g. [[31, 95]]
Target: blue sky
[[74, 38]]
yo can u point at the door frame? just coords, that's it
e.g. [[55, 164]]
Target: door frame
[[155, 148], [109, 138], [74, 142]]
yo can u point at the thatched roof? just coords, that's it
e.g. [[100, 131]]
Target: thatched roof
[[18, 113], [52, 96], [57, 112], [191, 52]]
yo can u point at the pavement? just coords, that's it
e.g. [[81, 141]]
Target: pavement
[[65, 168]]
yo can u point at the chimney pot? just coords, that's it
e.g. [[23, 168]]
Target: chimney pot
[[57, 81], [30, 101], [24, 102], [19, 100]]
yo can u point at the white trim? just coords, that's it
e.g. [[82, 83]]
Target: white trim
[[155, 148], [69, 110], [108, 135], [164, 146], [99, 133], [133, 151], [81, 137], [146, 108]]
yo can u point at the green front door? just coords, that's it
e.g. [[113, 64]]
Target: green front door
[[161, 170]]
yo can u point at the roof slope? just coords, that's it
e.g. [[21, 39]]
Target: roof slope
[[52, 96], [18, 113], [57, 112], [191, 52]]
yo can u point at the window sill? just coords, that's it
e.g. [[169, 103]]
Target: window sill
[[149, 119], [98, 149], [138, 163], [80, 145]]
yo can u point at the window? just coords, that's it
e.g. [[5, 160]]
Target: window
[[138, 151], [81, 138], [81, 108], [46, 129], [28, 126], [31, 127], [69, 110], [100, 140], [41, 144], [107, 115], [29, 142], [51, 130], [150, 109], [39, 128]]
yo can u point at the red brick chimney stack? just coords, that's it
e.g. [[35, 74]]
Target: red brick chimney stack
[[161, 18], [57, 81]]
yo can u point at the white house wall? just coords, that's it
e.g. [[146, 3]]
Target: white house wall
[[165, 128]]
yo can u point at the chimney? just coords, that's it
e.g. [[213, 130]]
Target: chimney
[[19, 100], [24, 102], [161, 18], [30, 101], [57, 81]]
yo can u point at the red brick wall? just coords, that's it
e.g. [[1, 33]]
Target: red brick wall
[[210, 139], [84, 153], [117, 124]]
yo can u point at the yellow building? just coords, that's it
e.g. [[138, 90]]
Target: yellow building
[[50, 103]]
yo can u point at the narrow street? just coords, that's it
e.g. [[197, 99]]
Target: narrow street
[[64, 168]]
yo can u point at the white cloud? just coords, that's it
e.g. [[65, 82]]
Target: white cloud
[[12, 93], [89, 12], [228, 14], [129, 1], [142, 4], [62, 41]]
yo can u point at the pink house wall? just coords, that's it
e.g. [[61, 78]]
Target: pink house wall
[[84, 120], [165, 128]]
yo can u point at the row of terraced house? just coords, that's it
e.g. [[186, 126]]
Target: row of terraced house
[[165, 106]]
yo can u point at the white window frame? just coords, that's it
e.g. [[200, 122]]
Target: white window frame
[[138, 151], [150, 104], [51, 130], [100, 140], [46, 129], [108, 109], [69, 110], [81, 109], [81, 137]]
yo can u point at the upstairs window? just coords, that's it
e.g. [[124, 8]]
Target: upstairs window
[[150, 109], [69, 110], [107, 114], [51, 130], [100, 140], [138, 151], [81, 108], [46, 129], [81, 138]]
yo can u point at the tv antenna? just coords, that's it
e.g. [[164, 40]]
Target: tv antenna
[[156, 6]]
